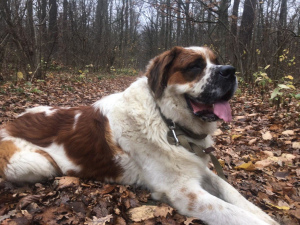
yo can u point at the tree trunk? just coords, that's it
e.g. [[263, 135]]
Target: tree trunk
[[245, 35], [234, 56], [178, 21], [223, 27], [247, 23], [31, 39], [235, 13], [187, 24], [53, 29], [65, 32], [281, 35]]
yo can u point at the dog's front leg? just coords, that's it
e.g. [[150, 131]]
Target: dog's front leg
[[223, 190], [190, 199]]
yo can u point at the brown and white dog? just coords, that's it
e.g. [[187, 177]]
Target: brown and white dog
[[123, 138]]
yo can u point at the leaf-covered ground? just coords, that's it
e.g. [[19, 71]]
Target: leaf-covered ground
[[259, 152]]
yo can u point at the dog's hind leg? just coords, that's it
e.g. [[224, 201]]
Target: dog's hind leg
[[24, 164]]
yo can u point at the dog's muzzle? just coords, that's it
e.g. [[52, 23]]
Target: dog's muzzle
[[212, 104]]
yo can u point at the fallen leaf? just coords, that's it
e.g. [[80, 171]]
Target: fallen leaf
[[287, 157], [235, 136], [99, 221], [273, 158], [240, 118], [141, 213], [296, 145], [108, 188], [246, 166], [288, 132], [8, 215], [275, 127], [298, 172], [281, 174], [263, 163], [218, 132], [222, 162], [27, 200], [120, 221], [283, 203], [252, 114], [279, 207], [241, 130], [163, 211], [268, 153], [189, 220], [65, 182], [252, 141], [267, 136], [296, 213]]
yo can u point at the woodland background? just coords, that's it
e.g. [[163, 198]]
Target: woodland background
[[104, 35]]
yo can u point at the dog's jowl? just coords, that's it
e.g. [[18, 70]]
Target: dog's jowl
[[156, 133]]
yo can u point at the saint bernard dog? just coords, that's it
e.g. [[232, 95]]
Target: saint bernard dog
[[125, 138]]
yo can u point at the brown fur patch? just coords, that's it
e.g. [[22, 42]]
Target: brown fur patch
[[158, 71], [192, 198], [109, 139], [71, 173], [211, 55], [177, 78], [183, 190], [87, 145], [7, 149], [210, 207], [177, 66]]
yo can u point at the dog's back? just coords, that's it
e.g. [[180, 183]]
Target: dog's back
[[45, 142]]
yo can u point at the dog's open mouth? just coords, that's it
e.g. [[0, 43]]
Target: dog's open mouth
[[210, 112]]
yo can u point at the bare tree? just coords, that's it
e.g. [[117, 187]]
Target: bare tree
[[245, 35], [53, 29], [50, 34]]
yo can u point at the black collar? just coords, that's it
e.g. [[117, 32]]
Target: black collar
[[176, 137], [172, 126]]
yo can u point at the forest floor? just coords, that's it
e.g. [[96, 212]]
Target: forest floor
[[259, 152]]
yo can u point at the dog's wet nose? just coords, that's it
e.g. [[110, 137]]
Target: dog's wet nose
[[227, 71]]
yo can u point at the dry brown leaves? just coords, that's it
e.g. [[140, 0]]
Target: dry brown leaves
[[262, 156], [259, 152]]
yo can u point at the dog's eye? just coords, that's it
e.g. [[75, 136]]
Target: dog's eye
[[196, 67]]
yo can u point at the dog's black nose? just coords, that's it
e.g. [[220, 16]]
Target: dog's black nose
[[227, 71]]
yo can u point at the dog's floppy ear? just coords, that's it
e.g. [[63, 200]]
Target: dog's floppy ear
[[157, 71]]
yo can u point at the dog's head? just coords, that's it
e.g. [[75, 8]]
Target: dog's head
[[191, 81]]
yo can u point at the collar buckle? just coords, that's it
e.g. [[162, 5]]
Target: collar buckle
[[172, 128]]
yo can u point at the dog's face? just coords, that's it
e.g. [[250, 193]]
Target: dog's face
[[194, 81]]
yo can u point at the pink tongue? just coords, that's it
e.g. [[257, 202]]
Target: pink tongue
[[223, 111]]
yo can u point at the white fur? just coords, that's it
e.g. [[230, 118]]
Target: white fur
[[28, 165], [39, 109], [76, 117]]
